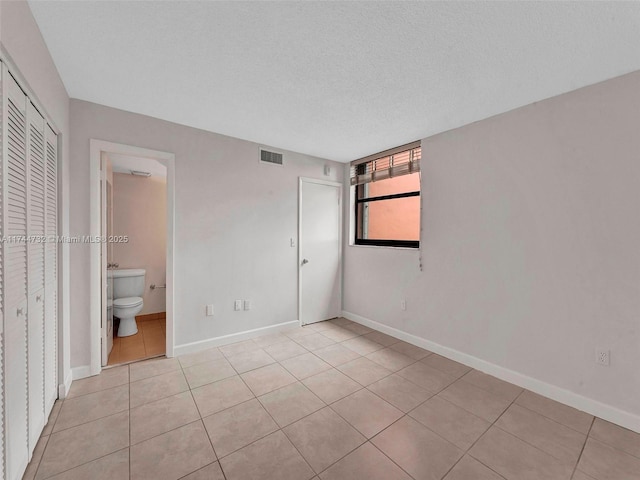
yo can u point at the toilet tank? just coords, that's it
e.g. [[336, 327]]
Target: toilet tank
[[128, 282]]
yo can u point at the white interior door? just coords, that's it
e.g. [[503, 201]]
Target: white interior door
[[320, 250]]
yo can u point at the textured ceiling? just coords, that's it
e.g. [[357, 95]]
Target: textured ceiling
[[338, 80]]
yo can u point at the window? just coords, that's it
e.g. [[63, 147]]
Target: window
[[387, 197]]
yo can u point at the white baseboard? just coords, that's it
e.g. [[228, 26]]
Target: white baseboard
[[63, 388], [83, 371], [232, 338], [559, 394]]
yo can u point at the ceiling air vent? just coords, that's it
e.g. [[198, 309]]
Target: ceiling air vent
[[272, 158]]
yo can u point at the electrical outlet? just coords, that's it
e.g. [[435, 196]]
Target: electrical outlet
[[602, 357], [237, 305], [403, 305], [247, 304], [209, 310]]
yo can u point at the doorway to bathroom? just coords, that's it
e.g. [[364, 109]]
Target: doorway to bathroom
[[132, 255]]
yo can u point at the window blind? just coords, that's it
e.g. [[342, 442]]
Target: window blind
[[388, 164]]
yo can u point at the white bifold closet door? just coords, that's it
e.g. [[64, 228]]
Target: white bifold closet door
[[51, 271], [28, 274], [35, 254], [15, 277]]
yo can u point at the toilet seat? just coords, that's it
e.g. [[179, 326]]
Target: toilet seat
[[127, 302]]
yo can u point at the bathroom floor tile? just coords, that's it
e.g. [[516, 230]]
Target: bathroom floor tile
[[78, 445], [236, 427], [209, 372], [400, 392], [289, 404], [272, 457], [172, 455], [158, 417], [217, 396]]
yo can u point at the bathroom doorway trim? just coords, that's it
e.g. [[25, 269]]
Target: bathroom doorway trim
[[96, 148]]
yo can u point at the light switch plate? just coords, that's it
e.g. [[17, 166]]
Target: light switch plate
[[237, 305], [209, 310], [247, 304]]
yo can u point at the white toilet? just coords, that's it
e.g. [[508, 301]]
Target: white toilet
[[128, 288]]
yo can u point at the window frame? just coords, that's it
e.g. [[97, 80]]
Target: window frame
[[380, 242]]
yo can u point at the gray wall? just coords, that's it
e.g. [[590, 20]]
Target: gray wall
[[530, 245], [234, 219]]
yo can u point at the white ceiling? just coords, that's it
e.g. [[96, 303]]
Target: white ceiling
[[126, 163], [338, 80]]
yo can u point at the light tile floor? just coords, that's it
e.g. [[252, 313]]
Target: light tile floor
[[330, 401], [150, 341]]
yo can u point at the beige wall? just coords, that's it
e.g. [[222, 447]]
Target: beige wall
[[234, 220], [530, 247], [140, 212]]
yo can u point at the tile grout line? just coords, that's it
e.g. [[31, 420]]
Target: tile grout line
[[586, 439], [466, 452]]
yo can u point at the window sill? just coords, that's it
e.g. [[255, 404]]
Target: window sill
[[411, 249]]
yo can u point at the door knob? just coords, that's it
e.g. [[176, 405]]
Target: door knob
[[305, 261]]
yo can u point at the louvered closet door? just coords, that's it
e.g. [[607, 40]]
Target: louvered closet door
[[15, 276], [35, 276], [2, 174], [51, 270]]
